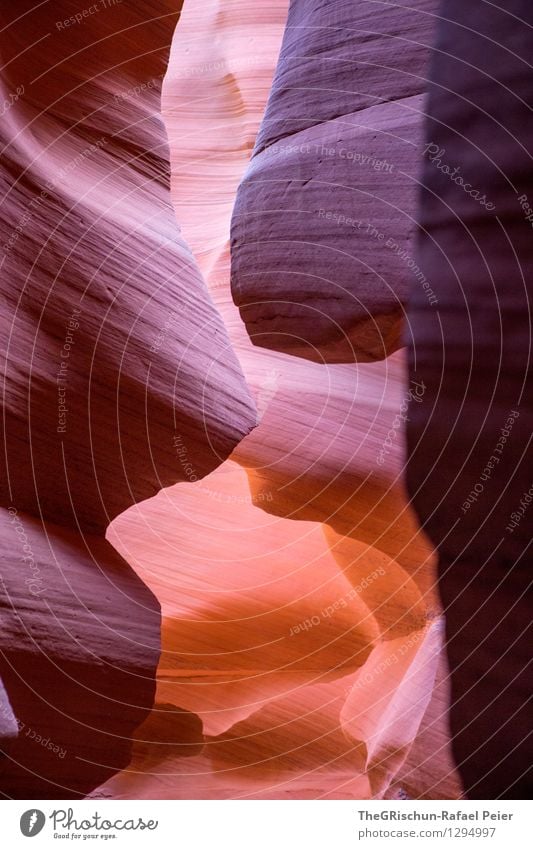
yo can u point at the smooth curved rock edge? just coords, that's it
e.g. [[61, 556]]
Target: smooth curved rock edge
[[324, 218], [226, 557], [78, 649], [118, 377]]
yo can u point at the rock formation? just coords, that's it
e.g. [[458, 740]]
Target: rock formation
[[8, 725], [322, 230], [116, 359], [118, 378], [293, 580], [263, 619], [469, 469], [78, 646]]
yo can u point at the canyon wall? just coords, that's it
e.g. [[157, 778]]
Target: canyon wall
[[300, 622], [469, 469], [114, 358], [322, 231]]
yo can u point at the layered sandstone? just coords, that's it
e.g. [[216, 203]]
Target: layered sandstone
[[295, 585], [469, 469], [8, 726], [78, 646], [323, 225], [114, 350]]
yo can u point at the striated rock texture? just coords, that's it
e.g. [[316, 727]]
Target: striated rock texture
[[118, 377], [323, 223], [78, 646], [308, 659], [114, 350], [469, 469], [301, 646], [300, 622]]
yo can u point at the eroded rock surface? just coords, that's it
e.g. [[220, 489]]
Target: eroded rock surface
[[78, 646], [469, 469], [294, 581], [8, 725], [119, 377], [323, 224]]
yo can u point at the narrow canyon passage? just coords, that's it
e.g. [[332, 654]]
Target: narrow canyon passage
[[300, 620]]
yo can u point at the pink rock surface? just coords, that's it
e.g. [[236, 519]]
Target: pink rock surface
[[113, 348], [301, 632], [287, 535], [268, 642], [78, 647]]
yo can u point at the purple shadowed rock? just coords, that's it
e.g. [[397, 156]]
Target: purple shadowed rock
[[322, 228], [470, 459], [113, 347], [79, 647]]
